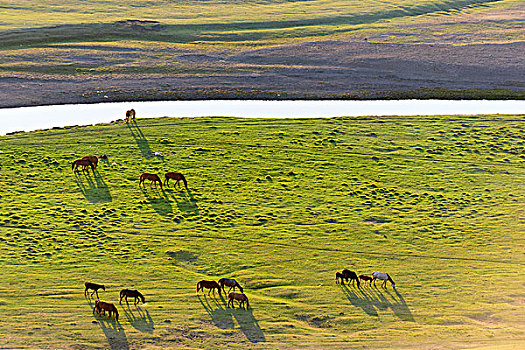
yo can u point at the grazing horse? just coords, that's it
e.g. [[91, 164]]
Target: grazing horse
[[228, 282], [351, 275], [84, 163], [95, 287], [383, 277], [175, 176], [240, 297], [130, 115], [125, 293], [366, 279], [93, 159], [211, 285], [339, 276], [154, 178], [101, 307]]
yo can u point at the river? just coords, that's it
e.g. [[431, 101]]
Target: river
[[44, 117]]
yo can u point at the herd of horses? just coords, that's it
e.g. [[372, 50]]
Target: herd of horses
[[101, 307], [228, 282], [347, 275]]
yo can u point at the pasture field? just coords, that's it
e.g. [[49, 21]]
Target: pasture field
[[279, 205]]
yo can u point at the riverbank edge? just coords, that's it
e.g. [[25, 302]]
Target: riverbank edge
[[113, 95]]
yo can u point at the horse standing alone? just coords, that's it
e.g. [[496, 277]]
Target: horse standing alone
[[154, 178], [130, 115]]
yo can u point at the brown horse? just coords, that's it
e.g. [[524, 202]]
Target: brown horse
[[351, 275], [84, 163], [366, 279], [130, 115], [175, 176], [339, 278], [228, 282], [125, 293], [211, 285], [154, 178], [240, 297], [101, 307], [93, 159], [93, 286]]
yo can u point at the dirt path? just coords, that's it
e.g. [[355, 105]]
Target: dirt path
[[312, 70]]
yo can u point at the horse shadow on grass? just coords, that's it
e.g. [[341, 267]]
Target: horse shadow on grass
[[217, 311], [223, 317], [186, 203], [93, 188], [112, 329], [372, 299], [142, 321], [158, 200], [139, 138], [249, 325]]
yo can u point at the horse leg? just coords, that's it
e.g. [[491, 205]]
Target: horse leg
[[97, 294]]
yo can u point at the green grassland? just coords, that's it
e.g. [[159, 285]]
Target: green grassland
[[279, 205]]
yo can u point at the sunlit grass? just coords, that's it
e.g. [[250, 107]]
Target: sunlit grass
[[279, 205]]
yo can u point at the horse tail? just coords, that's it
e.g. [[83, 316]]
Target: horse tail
[[198, 285], [184, 180], [141, 297], [73, 165], [247, 302], [141, 179]]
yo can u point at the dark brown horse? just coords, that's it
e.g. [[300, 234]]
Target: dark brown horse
[[228, 282], [154, 178], [239, 297], [93, 286], [130, 115], [84, 163], [101, 307], [211, 285], [125, 293], [175, 176], [351, 275], [339, 278], [93, 159], [366, 279]]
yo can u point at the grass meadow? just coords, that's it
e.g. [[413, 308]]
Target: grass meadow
[[279, 205]]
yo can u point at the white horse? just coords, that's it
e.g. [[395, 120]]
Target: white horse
[[383, 277]]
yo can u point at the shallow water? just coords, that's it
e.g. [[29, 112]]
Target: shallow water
[[44, 117]]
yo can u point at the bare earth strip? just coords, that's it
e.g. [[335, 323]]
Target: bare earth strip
[[324, 69]]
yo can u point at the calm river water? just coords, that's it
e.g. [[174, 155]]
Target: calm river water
[[43, 117]]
